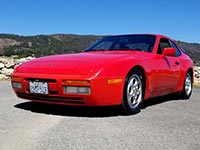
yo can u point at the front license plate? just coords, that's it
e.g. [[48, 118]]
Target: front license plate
[[38, 87]]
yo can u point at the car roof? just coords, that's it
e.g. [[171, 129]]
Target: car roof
[[157, 35]]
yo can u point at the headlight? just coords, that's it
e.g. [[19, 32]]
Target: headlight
[[17, 85], [76, 90]]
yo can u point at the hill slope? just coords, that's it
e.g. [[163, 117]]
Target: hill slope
[[41, 45]]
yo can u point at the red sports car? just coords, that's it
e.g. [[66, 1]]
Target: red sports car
[[116, 70]]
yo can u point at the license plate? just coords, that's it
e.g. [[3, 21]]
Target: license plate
[[38, 87]]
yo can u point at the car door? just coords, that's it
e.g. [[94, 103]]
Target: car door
[[176, 64], [167, 70]]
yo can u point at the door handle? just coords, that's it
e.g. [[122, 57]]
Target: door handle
[[177, 63]]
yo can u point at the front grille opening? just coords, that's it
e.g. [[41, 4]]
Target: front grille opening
[[55, 99], [42, 80]]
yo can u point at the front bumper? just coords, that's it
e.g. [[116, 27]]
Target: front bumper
[[103, 91]]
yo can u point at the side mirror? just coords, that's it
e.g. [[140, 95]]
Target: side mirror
[[169, 51]]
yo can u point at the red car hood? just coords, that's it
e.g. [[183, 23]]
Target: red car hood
[[76, 64]]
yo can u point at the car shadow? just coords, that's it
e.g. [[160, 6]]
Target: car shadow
[[160, 100], [72, 111], [91, 112]]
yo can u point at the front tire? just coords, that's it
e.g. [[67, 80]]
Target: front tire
[[133, 92]]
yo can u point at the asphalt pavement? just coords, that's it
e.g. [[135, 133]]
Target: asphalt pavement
[[165, 123]]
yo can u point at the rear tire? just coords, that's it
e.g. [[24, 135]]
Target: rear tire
[[187, 87], [133, 92]]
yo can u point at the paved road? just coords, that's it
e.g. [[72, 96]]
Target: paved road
[[164, 124]]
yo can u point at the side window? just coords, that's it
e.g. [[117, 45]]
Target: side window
[[164, 43], [178, 53]]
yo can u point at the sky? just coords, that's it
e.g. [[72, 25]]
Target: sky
[[178, 19]]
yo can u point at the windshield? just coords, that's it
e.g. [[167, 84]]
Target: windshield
[[124, 42]]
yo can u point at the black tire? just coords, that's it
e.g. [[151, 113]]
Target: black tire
[[133, 93], [187, 87]]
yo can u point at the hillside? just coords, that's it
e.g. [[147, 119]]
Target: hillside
[[193, 49], [41, 45]]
